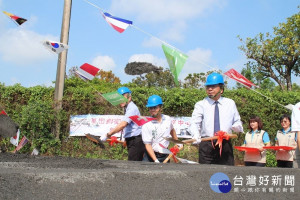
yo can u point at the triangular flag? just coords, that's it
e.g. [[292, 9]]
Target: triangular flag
[[18, 20], [114, 98], [15, 140], [175, 60], [87, 71], [22, 143], [141, 120], [55, 47], [233, 74], [118, 24]]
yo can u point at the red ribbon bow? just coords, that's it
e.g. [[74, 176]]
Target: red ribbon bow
[[221, 136], [174, 151], [114, 140]]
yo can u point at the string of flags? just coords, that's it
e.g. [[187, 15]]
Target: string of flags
[[175, 58]]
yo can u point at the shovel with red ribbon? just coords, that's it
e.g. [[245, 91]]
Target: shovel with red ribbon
[[174, 150], [113, 140]]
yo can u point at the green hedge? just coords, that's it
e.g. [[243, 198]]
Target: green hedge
[[32, 109]]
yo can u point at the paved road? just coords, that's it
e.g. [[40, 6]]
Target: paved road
[[36, 177]]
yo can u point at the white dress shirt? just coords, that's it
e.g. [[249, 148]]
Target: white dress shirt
[[202, 122], [154, 132]]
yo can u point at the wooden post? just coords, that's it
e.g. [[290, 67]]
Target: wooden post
[[62, 60]]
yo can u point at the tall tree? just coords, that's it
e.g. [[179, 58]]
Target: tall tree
[[197, 80], [108, 76], [277, 56], [161, 78]]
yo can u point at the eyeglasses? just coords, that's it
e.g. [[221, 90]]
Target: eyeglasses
[[153, 107], [285, 122]]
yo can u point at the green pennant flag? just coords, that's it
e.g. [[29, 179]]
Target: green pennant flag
[[114, 98], [175, 60]]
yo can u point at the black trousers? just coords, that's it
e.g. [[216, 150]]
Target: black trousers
[[160, 157], [136, 148], [284, 164], [257, 164], [210, 154]]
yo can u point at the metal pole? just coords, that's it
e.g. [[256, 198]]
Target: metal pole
[[61, 63], [62, 57]]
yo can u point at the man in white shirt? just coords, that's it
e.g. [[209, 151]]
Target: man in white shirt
[[153, 132], [212, 114], [296, 127]]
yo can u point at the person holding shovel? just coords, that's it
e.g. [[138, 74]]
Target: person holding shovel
[[154, 132], [132, 132], [213, 114]]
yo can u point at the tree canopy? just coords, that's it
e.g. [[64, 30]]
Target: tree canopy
[[276, 56]]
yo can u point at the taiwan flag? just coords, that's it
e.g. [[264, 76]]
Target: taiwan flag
[[141, 120]]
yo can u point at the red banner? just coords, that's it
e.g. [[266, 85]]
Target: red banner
[[239, 78]]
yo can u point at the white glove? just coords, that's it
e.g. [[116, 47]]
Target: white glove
[[156, 161], [197, 142], [103, 138], [179, 146]]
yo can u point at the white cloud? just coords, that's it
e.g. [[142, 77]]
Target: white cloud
[[176, 31], [104, 62], [197, 62], [238, 65], [23, 47], [148, 58]]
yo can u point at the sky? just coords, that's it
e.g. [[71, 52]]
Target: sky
[[205, 30]]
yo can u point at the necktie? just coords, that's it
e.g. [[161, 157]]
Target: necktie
[[216, 118]]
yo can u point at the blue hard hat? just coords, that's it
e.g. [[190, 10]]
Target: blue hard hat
[[214, 79], [154, 100], [123, 90]]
